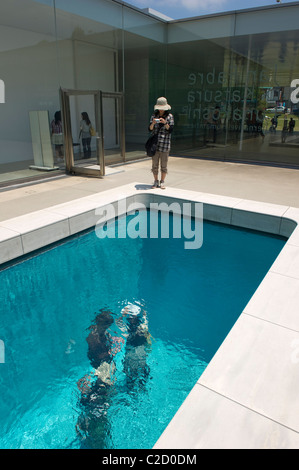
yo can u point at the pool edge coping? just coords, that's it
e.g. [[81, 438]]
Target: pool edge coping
[[22, 235]]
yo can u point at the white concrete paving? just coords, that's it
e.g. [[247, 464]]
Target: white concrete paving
[[248, 395]]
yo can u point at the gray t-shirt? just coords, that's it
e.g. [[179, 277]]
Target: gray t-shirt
[[85, 133]]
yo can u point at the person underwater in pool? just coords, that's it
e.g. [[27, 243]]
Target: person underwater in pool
[[138, 346], [97, 389]]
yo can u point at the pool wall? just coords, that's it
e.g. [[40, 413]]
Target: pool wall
[[247, 397]]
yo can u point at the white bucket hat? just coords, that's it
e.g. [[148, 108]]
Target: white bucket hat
[[162, 104]]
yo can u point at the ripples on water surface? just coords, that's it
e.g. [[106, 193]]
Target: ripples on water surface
[[182, 303]]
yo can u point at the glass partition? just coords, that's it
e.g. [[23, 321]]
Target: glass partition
[[232, 94], [232, 80], [145, 65], [30, 74]]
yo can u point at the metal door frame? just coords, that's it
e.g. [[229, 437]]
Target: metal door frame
[[99, 125], [121, 124]]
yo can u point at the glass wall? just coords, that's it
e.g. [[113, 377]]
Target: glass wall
[[90, 45], [231, 79], [29, 70], [89, 55], [145, 78], [234, 94]]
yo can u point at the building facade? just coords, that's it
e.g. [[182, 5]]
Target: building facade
[[232, 80]]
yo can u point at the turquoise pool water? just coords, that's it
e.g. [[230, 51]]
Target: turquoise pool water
[[182, 303]]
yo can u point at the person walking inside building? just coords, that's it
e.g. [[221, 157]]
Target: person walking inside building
[[161, 124], [85, 128], [57, 136]]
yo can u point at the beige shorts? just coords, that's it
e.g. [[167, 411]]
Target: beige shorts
[[57, 139], [162, 159]]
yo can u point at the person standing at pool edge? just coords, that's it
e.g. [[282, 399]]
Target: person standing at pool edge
[[161, 123]]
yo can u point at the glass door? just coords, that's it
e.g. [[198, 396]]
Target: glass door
[[93, 130], [113, 127], [82, 138]]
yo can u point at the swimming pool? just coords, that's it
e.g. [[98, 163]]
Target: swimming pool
[[50, 303]]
